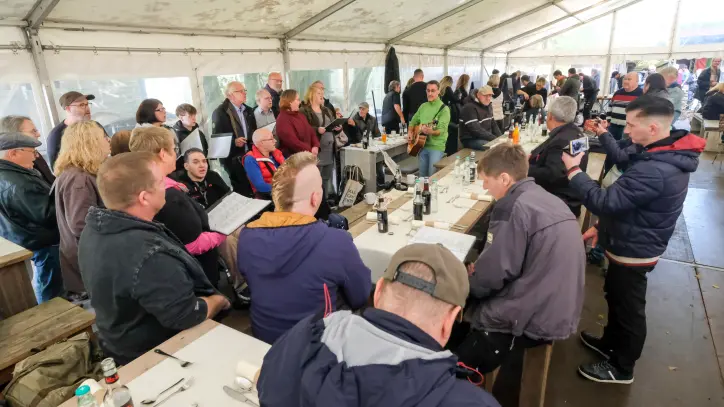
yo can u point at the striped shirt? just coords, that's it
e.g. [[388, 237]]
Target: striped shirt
[[616, 114]]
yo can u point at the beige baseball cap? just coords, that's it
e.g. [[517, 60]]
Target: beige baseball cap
[[451, 277]]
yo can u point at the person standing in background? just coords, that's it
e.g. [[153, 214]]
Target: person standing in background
[[392, 115], [84, 149], [319, 116], [76, 108], [461, 90], [676, 94], [448, 98], [23, 124], [186, 125], [433, 118], [708, 78], [415, 95], [616, 114], [274, 87], [498, 111], [294, 132], [590, 93], [264, 113]]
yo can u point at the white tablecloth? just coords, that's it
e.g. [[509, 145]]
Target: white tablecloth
[[214, 357]]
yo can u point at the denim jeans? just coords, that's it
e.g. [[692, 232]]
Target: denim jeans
[[475, 144], [47, 280], [428, 158]]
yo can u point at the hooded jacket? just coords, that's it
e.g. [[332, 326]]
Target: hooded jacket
[[287, 258], [142, 283], [638, 212], [376, 359], [27, 209], [529, 279], [182, 132]]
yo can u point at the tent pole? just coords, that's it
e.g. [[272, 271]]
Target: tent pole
[[482, 66], [506, 62], [445, 63], [606, 83], [41, 70], [285, 58], [345, 81], [674, 29]]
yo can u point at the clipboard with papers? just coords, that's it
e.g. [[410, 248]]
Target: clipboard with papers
[[232, 211]]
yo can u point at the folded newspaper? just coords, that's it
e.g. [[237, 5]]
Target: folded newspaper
[[232, 211]]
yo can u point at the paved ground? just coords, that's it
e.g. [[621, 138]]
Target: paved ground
[[680, 365]]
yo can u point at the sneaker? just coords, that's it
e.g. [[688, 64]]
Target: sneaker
[[605, 372], [596, 343]]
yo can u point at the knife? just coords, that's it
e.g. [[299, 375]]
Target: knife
[[237, 395]]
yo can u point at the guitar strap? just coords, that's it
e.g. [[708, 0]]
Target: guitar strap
[[438, 112]]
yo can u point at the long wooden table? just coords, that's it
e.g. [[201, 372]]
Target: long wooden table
[[38, 328], [16, 291]]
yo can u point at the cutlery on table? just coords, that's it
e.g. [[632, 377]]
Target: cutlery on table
[[184, 387], [153, 400], [183, 363], [237, 395]]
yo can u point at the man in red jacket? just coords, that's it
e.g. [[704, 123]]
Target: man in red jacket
[[261, 163]]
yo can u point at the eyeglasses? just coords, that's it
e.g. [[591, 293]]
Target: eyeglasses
[[240, 91], [162, 109], [26, 150]]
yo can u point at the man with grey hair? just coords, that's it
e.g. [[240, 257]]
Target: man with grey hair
[[389, 355], [264, 113], [234, 116], [546, 166], [616, 114], [676, 94], [27, 212], [476, 126], [392, 115], [274, 87], [261, 163]]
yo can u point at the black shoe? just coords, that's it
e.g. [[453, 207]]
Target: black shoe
[[605, 372], [596, 343]]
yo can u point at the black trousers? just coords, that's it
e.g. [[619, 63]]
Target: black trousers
[[625, 332], [589, 99], [451, 145], [486, 351], [500, 124]]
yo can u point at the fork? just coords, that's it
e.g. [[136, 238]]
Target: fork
[[183, 363]]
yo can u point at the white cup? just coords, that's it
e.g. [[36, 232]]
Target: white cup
[[394, 133], [410, 179], [370, 198]]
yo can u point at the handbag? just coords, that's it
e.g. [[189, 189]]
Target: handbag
[[352, 184]]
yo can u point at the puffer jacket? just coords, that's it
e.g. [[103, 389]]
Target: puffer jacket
[[529, 279], [639, 211], [476, 122], [27, 209], [376, 359]]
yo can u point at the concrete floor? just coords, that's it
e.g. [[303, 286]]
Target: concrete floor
[[680, 365]]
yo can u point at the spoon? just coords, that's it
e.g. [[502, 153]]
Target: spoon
[[186, 386], [153, 400]]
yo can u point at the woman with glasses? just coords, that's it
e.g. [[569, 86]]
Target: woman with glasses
[[23, 124], [85, 147], [151, 113]]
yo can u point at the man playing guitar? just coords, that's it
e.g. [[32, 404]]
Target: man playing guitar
[[430, 121]]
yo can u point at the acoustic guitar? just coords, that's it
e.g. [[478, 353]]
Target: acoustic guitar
[[416, 140]]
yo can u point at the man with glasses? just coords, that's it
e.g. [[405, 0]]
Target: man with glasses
[[76, 108], [274, 87], [433, 118], [27, 212], [234, 116], [477, 126], [261, 163], [264, 112]]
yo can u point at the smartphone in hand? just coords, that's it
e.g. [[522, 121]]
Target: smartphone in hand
[[577, 146]]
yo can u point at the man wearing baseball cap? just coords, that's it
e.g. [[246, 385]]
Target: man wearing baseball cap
[[390, 355], [27, 212], [76, 109], [476, 126]]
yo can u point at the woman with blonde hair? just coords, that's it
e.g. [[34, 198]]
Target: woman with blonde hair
[[497, 103], [461, 89], [319, 117], [83, 150]]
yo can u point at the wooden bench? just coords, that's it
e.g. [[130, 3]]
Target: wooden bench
[[534, 378], [465, 152], [16, 291], [28, 332]]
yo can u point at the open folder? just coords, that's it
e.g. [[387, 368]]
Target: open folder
[[232, 211]]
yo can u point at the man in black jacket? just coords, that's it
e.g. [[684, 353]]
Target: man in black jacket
[[637, 217], [546, 166], [205, 186], [144, 286], [476, 126], [414, 96], [572, 86], [274, 87], [590, 92], [236, 117], [27, 212]]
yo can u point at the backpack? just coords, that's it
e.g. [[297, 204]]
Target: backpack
[[50, 377]]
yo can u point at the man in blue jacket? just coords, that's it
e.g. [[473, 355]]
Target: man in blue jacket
[[296, 265], [637, 215], [390, 355]]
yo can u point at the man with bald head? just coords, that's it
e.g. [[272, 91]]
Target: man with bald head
[[261, 163], [295, 265], [616, 114], [234, 116], [274, 87]]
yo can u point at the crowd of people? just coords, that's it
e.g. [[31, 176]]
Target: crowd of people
[[123, 221]]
